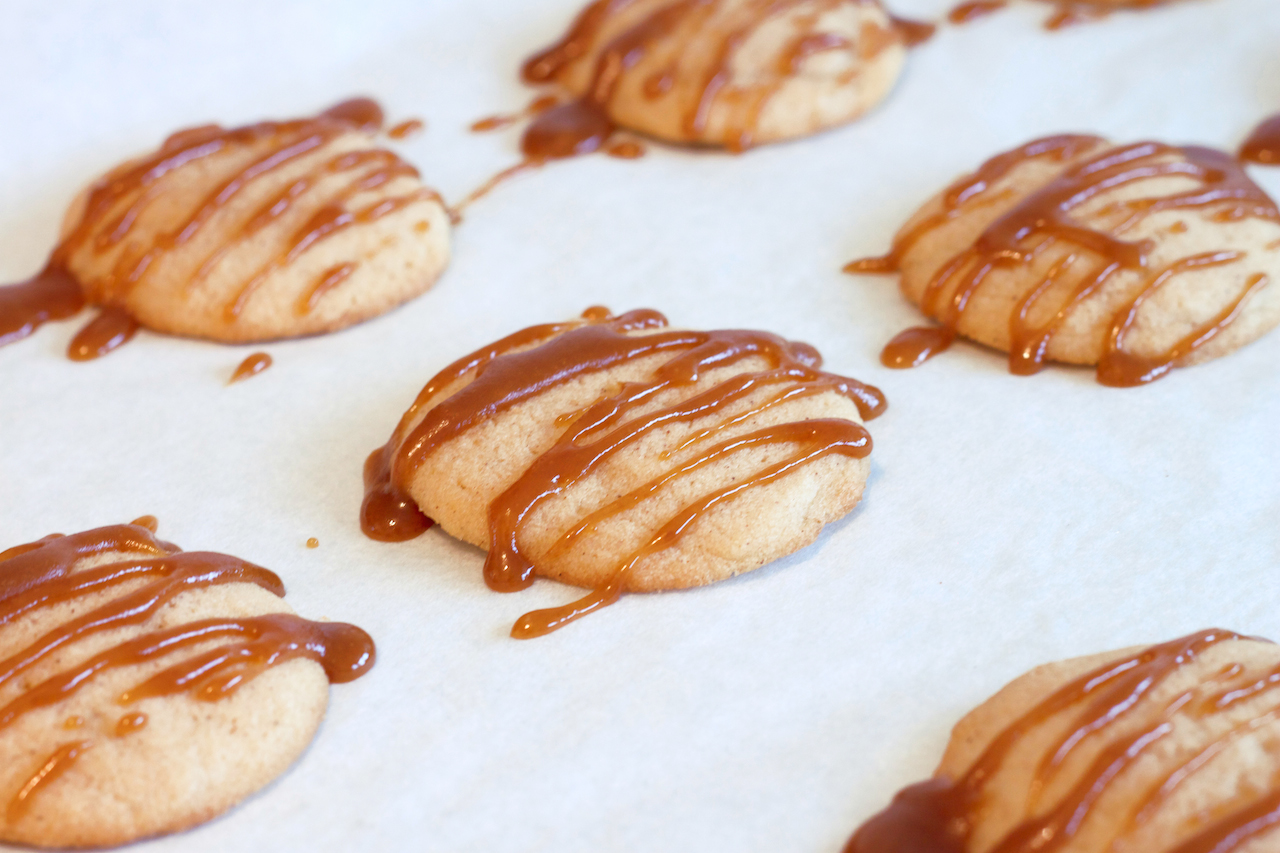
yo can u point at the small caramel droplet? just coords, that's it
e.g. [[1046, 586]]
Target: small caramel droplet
[[251, 366], [104, 333], [405, 129], [130, 723], [313, 542]]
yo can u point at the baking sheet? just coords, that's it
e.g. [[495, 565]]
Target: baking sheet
[[1008, 521]]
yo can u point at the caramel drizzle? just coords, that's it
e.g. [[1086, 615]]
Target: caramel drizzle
[[1065, 14], [42, 574], [1262, 146], [534, 360], [937, 816], [57, 293], [1044, 218]]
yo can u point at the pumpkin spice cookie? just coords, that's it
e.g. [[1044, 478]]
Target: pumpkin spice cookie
[[272, 230], [144, 690], [727, 73], [1135, 258], [618, 454], [1167, 749]]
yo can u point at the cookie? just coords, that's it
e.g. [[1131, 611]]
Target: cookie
[[730, 73], [271, 230], [144, 690], [618, 454], [1135, 258], [1167, 749]]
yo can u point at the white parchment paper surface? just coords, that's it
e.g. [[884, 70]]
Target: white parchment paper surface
[[1009, 521]]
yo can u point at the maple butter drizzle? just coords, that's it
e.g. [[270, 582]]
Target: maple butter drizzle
[[937, 816], [1044, 217], [551, 355], [212, 657], [57, 293]]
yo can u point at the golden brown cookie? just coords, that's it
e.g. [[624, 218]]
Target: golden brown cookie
[[618, 454], [1169, 749], [271, 230], [144, 690], [1136, 258], [731, 73]]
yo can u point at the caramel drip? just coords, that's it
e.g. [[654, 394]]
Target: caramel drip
[[534, 360], [1044, 218], [113, 327], [117, 201], [407, 128], [626, 149], [54, 766], [913, 32], [150, 522], [540, 104], [51, 294], [966, 12], [937, 816], [1066, 12], [313, 542], [251, 366], [225, 654], [1262, 146]]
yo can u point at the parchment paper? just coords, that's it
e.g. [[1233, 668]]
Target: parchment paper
[[1008, 522]]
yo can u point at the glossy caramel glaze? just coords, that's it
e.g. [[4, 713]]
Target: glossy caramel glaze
[[228, 652], [251, 366], [1044, 216], [938, 816], [529, 362], [113, 204], [407, 128], [1262, 146]]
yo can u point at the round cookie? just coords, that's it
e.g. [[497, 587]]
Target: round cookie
[[115, 728], [1171, 748], [618, 454], [1136, 258], [731, 73], [272, 230]]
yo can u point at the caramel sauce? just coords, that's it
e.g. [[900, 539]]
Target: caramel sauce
[[1262, 146], [386, 513], [51, 294], [1066, 12], [937, 816], [1045, 217], [57, 293], [130, 723], [42, 574], [626, 149], [540, 104], [966, 12], [251, 366], [526, 364], [913, 32], [54, 766], [313, 542], [407, 128]]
